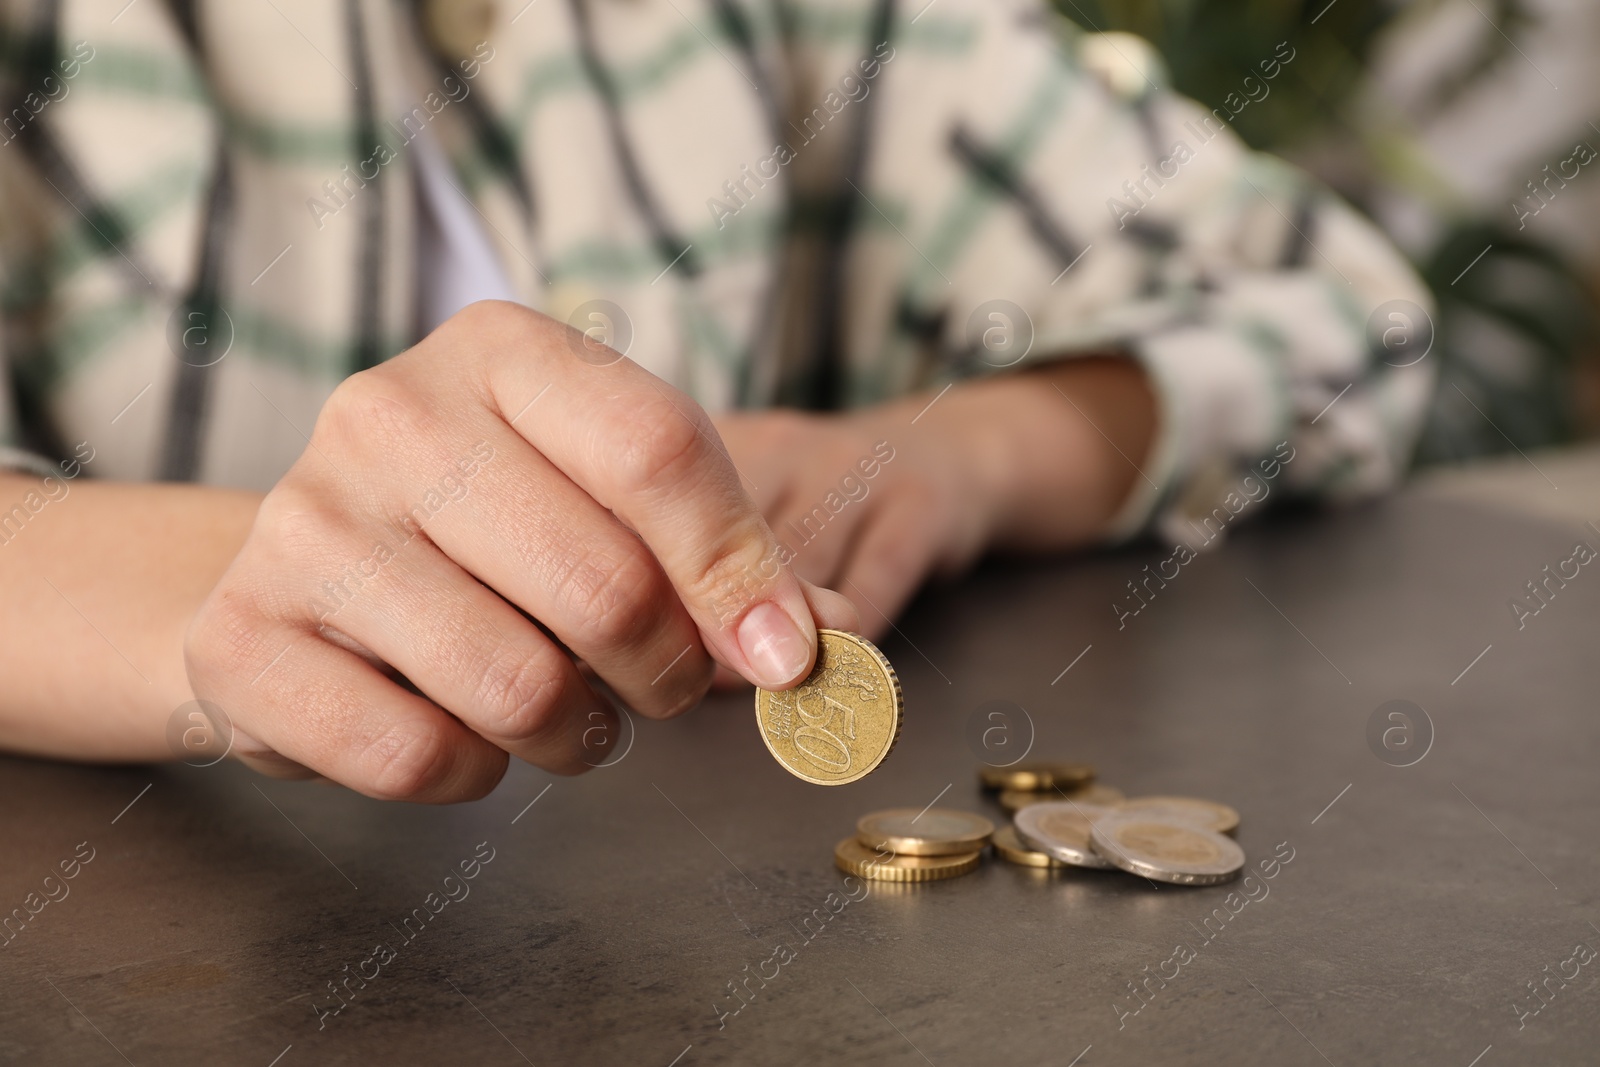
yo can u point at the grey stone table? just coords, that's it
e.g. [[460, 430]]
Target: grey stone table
[[611, 919]]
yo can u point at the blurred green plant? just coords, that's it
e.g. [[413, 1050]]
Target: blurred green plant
[[1515, 330], [1210, 45], [1512, 330]]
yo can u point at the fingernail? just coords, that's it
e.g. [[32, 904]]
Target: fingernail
[[774, 646]]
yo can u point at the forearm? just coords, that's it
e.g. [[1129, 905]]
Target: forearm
[[1082, 430], [1053, 453], [99, 585]]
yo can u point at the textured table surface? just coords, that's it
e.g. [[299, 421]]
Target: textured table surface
[[1419, 904]]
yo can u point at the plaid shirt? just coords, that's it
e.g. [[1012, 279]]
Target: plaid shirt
[[208, 219]]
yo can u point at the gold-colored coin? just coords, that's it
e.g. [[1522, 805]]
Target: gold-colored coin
[[852, 857], [842, 721], [1206, 813], [930, 832], [1010, 847], [1031, 777], [1014, 800]]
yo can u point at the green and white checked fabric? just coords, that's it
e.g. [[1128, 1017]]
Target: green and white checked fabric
[[792, 202]]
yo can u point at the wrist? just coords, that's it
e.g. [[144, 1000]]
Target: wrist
[[968, 441], [988, 430], [1072, 437]]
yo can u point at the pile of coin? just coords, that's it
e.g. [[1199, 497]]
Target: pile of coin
[[908, 845], [1063, 818], [1072, 824], [839, 724]]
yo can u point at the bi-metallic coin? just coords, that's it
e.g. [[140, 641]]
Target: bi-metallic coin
[[1180, 853]]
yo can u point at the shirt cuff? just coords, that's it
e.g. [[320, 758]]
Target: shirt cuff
[[22, 461], [1219, 402]]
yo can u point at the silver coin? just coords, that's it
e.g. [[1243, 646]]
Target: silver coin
[[1206, 813], [1060, 828], [1176, 852]]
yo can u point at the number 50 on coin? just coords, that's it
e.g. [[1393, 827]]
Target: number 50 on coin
[[842, 721]]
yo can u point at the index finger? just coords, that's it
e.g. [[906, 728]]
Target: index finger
[[650, 454]]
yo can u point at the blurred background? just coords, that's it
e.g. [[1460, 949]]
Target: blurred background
[[1467, 129]]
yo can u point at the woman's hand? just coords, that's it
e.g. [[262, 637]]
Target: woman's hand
[[873, 502], [868, 504], [401, 615]]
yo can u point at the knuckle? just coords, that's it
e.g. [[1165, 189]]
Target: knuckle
[[659, 442], [490, 318], [678, 679], [689, 693], [297, 550], [519, 696], [613, 602], [294, 522], [740, 571], [370, 410], [225, 632], [410, 761], [487, 341]]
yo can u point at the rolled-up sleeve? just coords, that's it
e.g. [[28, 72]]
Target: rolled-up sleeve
[[1022, 170]]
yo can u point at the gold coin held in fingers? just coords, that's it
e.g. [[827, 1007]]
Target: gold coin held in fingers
[[842, 721], [1032, 777], [1180, 853], [926, 832], [1206, 813], [1011, 848], [852, 857]]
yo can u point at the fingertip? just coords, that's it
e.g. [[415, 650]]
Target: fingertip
[[436, 760], [832, 610], [479, 781], [475, 770], [680, 686]]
